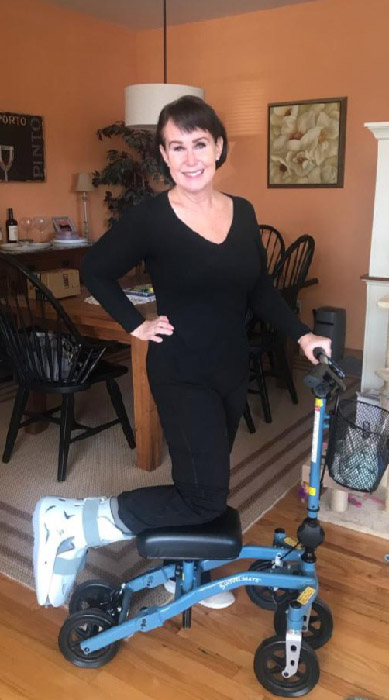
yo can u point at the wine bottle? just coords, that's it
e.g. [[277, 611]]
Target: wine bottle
[[11, 226]]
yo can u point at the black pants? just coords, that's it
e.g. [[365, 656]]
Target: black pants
[[199, 422]]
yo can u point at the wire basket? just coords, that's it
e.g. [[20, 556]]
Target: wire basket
[[358, 445]]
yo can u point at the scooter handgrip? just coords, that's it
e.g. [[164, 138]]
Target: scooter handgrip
[[320, 355]]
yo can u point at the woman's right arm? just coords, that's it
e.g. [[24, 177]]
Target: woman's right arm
[[123, 247]]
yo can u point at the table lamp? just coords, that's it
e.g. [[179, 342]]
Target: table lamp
[[84, 185]]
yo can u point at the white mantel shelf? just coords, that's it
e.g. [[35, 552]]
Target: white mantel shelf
[[369, 278]]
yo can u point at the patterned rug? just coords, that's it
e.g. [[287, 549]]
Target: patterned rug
[[264, 466]]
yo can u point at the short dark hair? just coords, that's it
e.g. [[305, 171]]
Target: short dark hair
[[189, 113]]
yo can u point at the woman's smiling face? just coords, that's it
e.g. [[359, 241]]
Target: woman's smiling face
[[190, 156]]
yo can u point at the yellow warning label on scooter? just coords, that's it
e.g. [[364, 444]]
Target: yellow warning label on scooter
[[318, 403], [292, 542], [311, 491], [306, 595]]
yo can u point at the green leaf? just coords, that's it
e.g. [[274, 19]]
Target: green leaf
[[132, 170]]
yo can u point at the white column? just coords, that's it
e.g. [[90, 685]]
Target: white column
[[377, 280], [383, 372], [374, 345], [379, 249]]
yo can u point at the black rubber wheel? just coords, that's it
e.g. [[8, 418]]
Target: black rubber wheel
[[96, 594], [320, 623], [83, 625], [266, 598], [269, 662]]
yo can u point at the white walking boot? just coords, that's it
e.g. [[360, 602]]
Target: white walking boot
[[216, 602], [64, 529]]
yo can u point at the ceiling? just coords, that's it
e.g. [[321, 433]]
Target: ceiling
[[148, 14]]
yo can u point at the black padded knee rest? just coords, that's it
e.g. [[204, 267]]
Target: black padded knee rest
[[219, 539]]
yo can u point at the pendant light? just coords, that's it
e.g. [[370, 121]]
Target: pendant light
[[143, 102]]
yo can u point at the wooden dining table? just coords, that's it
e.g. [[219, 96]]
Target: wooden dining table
[[91, 320]]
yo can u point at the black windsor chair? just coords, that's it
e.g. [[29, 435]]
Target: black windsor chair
[[291, 273], [48, 355], [274, 246], [289, 276]]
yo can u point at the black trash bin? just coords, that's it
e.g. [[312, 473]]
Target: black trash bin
[[331, 322]]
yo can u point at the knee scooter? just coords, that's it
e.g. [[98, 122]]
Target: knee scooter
[[281, 578]]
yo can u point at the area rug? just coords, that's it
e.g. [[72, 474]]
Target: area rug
[[365, 513], [264, 466]]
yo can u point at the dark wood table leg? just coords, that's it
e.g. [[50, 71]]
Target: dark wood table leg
[[148, 433]]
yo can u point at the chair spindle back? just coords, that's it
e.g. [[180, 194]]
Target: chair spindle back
[[291, 272], [274, 245], [40, 340]]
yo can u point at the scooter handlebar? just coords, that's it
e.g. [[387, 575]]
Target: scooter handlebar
[[324, 359], [320, 355]]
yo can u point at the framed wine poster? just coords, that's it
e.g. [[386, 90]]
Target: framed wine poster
[[22, 152]]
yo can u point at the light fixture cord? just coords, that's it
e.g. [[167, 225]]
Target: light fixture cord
[[164, 44]]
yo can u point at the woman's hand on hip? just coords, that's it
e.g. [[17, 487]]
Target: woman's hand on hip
[[152, 330], [310, 341]]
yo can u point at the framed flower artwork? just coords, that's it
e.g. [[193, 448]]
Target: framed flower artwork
[[306, 143]]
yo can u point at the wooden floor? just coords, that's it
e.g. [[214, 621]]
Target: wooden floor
[[213, 660]]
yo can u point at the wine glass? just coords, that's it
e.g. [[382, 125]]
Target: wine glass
[[26, 224], [6, 159], [41, 223]]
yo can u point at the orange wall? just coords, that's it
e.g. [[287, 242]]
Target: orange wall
[[71, 70], [331, 48]]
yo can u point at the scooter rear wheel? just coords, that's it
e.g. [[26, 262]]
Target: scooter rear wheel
[[264, 597], [96, 594]]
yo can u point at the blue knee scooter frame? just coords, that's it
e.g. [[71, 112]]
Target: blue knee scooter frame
[[282, 578]]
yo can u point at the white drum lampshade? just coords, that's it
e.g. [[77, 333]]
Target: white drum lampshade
[[144, 102]]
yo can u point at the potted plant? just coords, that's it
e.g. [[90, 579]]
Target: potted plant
[[135, 168]]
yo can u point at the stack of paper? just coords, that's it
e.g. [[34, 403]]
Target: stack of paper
[[140, 294]]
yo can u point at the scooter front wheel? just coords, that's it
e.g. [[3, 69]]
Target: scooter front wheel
[[270, 661], [79, 627]]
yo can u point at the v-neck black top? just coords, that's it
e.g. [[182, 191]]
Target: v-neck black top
[[204, 288]]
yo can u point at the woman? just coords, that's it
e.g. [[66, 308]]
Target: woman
[[202, 251]]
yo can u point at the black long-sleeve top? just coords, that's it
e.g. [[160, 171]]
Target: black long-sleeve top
[[204, 288]]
